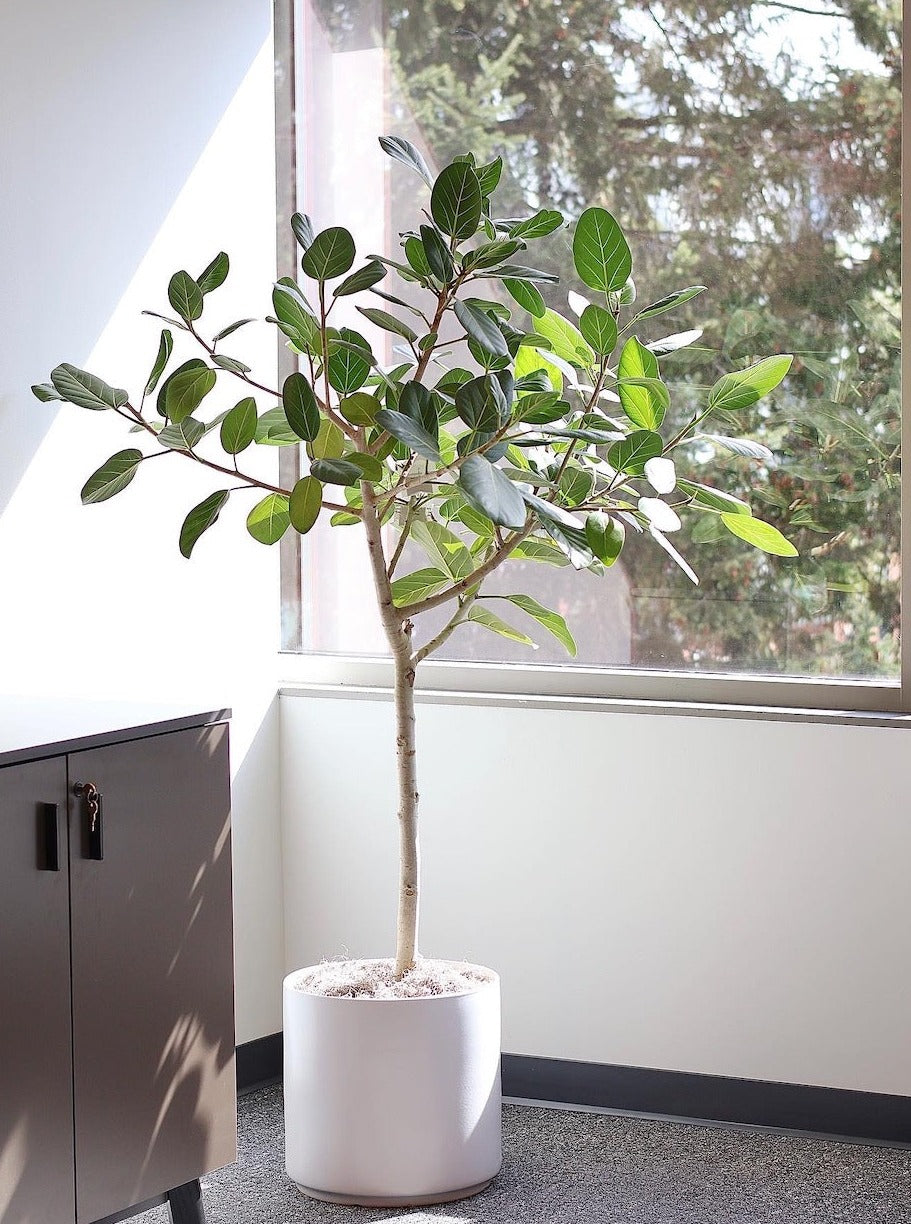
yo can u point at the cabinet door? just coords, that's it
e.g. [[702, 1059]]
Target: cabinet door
[[36, 1069], [153, 995]]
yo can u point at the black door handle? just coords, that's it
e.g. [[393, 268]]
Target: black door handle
[[90, 793], [49, 838]]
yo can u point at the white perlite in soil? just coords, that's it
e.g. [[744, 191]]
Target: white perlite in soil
[[375, 979]]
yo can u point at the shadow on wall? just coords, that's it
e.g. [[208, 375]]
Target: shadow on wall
[[106, 109]]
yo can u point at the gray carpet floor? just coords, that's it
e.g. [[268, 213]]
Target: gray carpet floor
[[565, 1167]]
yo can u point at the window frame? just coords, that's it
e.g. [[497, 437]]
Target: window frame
[[713, 691]]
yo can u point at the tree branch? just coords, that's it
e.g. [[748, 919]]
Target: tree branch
[[458, 617], [475, 578]]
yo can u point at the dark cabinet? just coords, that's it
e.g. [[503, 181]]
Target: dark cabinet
[[116, 976]]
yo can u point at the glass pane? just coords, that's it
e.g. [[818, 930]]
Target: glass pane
[[751, 148]]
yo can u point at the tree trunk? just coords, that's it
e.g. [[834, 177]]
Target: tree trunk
[[409, 858]]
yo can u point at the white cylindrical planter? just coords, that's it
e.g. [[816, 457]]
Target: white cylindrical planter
[[392, 1102]]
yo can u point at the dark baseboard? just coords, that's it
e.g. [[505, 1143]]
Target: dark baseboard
[[259, 1062], [879, 1117]]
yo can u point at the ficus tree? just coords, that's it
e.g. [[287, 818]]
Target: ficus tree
[[505, 430]]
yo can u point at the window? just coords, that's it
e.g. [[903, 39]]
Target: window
[[754, 149]]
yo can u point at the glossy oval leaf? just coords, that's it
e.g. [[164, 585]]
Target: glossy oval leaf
[[331, 254], [305, 503], [113, 476], [200, 519], [238, 429], [182, 435], [360, 408], [544, 222], [215, 274], [301, 408], [601, 253], [492, 492], [185, 390], [565, 339], [599, 328], [364, 278], [230, 329], [302, 228], [643, 402], [329, 443], [86, 390], [456, 201], [633, 452], [335, 471], [670, 302], [416, 586], [480, 615], [165, 348], [525, 293], [481, 327], [410, 432], [744, 387], [185, 296], [294, 319], [713, 499], [350, 357], [403, 151], [605, 536], [760, 534], [388, 322], [553, 622], [436, 254], [269, 519]]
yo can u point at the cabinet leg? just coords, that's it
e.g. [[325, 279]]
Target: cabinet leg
[[186, 1204]]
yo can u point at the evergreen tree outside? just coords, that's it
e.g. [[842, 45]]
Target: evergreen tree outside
[[753, 148]]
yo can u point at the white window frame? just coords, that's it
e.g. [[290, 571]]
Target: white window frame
[[840, 699]]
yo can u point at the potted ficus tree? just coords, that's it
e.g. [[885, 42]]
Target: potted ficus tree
[[540, 440]]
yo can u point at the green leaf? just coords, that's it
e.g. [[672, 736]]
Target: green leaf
[[165, 347], [566, 341], [46, 393], [644, 403], [200, 519], [481, 404], [113, 476], [542, 551], [761, 535], [714, 499], [230, 363], [230, 329], [669, 303], [185, 390], [599, 327], [491, 253], [301, 409], [185, 296], [605, 536], [330, 254], [349, 361], [489, 175], [552, 621], [364, 278], [238, 429], [269, 519], [422, 405], [436, 254], [520, 272], [526, 295], [491, 492], [530, 360], [294, 318], [744, 387], [272, 429], [482, 328], [360, 408], [572, 543], [542, 223], [305, 503], [302, 228], [182, 435], [407, 430], [214, 275], [418, 585], [194, 363], [403, 151], [336, 471], [744, 447], [633, 452], [85, 390], [369, 466], [443, 547], [483, 616], [329, 443], [456, 201], [388, 322], [600, 252]]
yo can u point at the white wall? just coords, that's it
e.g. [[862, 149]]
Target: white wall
[[137, 139], [699, 894]]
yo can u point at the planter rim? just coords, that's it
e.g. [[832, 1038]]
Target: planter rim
[[493, 980]]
